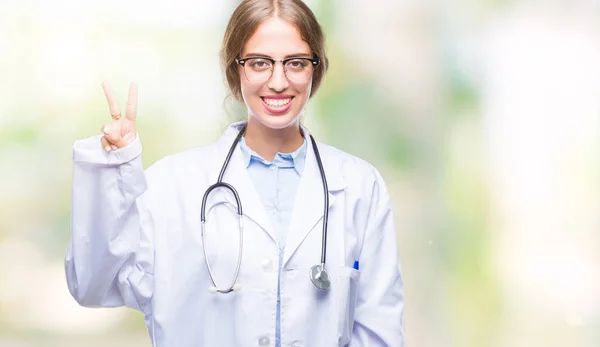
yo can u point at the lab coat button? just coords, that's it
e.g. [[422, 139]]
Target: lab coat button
[[296, 344], [264, 341], [267, 265]]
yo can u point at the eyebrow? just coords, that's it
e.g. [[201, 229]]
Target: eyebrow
[[296, 55]]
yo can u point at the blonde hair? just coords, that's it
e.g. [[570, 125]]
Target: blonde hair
[[245, 20]]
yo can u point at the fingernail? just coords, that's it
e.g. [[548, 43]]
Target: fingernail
[[107, 148]]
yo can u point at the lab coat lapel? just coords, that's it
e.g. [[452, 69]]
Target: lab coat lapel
[[308, 207], [237, 175]]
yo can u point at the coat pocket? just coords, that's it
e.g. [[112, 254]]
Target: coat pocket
[[347, 291]]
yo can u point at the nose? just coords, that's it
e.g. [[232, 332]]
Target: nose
[[278, 81]]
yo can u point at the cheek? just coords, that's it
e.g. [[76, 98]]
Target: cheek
[[248, 90], [308, 89], [305, 90]]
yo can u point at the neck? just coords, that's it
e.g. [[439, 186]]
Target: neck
[[267, 142]]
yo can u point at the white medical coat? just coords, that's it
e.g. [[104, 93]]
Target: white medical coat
[[136, 242]]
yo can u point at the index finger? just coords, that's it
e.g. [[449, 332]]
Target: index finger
[[112, 102], [132, 102]]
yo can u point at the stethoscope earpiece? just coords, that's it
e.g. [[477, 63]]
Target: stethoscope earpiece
[[213, 289]]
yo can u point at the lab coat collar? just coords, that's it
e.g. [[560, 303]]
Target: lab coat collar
[[308, 208]]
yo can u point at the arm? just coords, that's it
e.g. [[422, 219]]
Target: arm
[[379, 315], [109, 261]]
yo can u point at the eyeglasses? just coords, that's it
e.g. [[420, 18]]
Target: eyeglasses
[[260, 69]]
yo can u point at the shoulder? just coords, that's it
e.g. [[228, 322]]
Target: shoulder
[[357, 173]]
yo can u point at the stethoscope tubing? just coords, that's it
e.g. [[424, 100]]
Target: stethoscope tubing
[[229, 187], [326, 200]]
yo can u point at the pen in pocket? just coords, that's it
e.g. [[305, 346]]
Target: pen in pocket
[[356, 264]]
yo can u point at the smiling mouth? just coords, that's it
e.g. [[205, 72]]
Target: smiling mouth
[[277, 103]]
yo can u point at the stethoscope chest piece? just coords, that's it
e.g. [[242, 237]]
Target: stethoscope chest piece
[[320, 277]]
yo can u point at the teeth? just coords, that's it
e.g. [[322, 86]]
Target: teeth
[[277, 102]]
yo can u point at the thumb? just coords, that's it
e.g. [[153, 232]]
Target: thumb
[[112, 133]]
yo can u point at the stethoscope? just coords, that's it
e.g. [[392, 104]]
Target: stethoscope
[[318, 275]]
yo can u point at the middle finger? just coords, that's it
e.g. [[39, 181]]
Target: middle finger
[[115, 112]]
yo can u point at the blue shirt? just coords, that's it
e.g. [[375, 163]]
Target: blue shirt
[[277, 183]]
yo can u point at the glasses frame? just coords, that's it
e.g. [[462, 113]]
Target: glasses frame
[[315, 61]]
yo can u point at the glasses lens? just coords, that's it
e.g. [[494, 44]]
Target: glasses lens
[[299, 70], [258, 70]]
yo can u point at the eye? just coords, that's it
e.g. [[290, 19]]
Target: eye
[[297, 64], [259, 64]]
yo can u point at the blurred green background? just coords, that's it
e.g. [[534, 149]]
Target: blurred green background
[[483, 117]]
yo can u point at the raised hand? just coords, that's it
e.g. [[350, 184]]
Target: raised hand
[[121, 131]]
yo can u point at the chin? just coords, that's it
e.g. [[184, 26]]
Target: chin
[[281, 121], [277, 122]]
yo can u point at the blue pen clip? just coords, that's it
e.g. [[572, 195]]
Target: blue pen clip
[[356, 265]]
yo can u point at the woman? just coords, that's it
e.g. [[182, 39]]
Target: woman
[[138, 240]]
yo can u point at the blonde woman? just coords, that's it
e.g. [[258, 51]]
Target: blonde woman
[[263, 238]]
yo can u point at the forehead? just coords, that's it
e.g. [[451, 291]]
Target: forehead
[[276, 38]]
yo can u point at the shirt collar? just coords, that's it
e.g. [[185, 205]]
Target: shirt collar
[[333, 160], [295, 159]]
